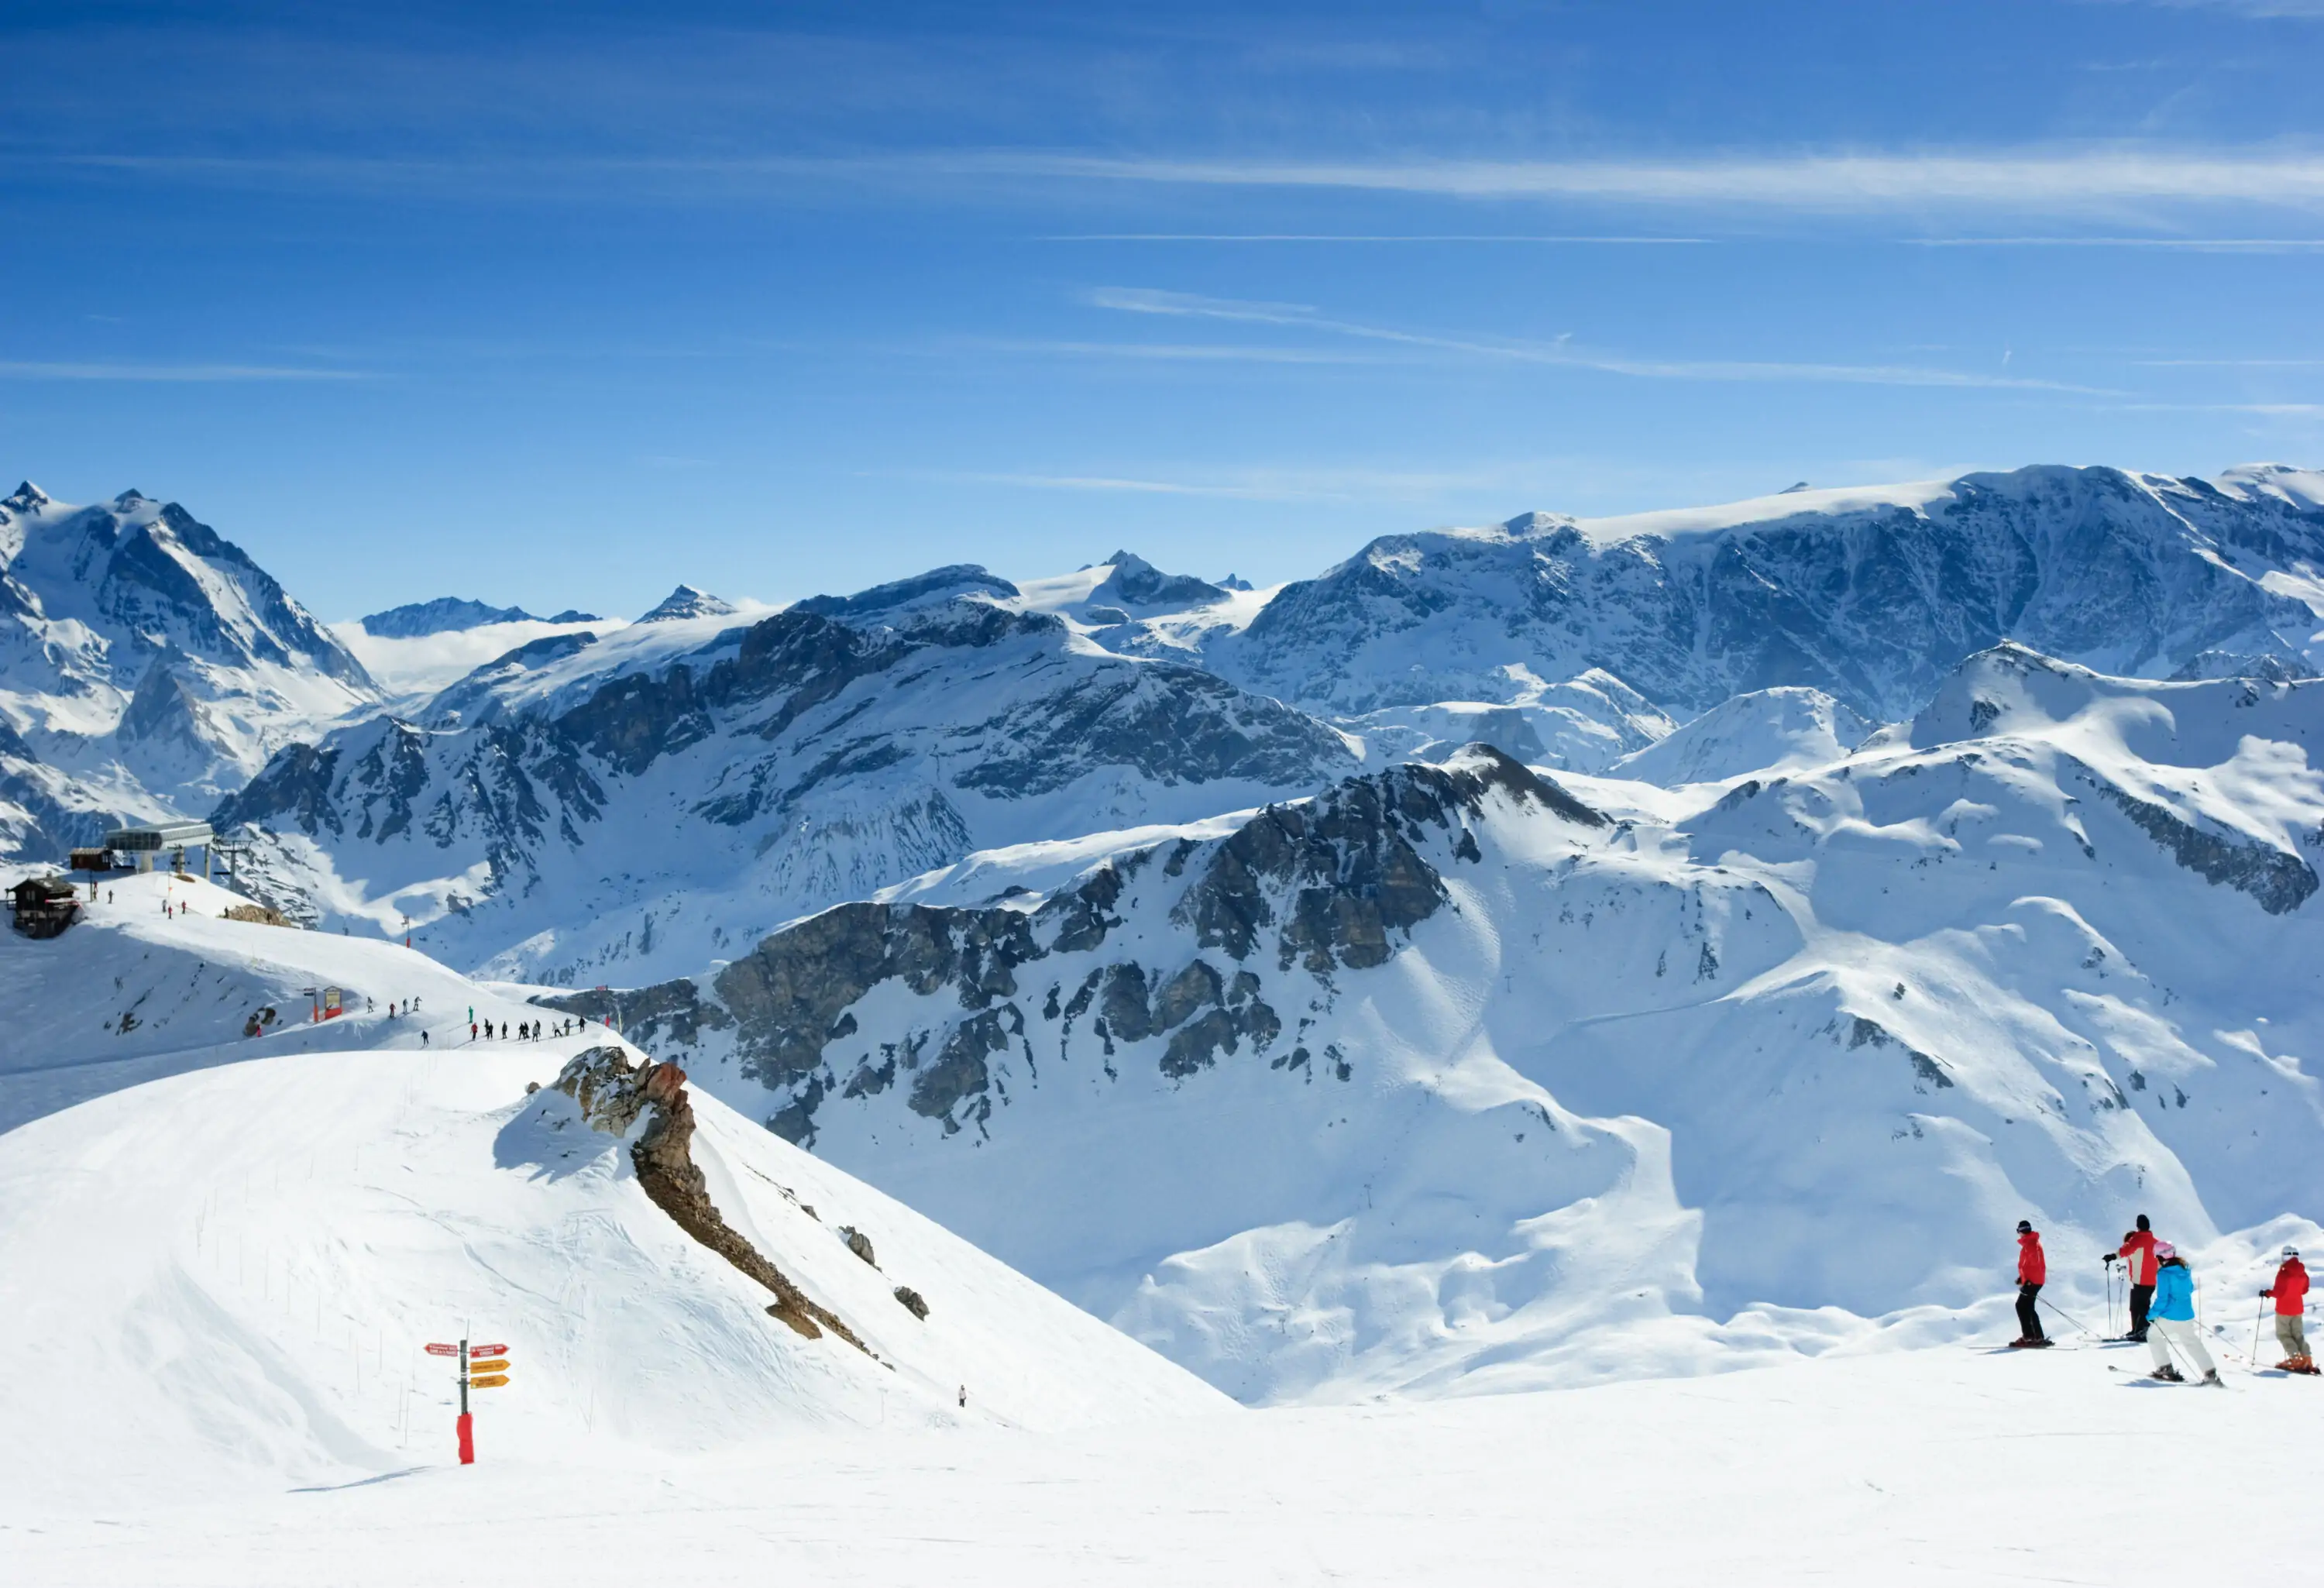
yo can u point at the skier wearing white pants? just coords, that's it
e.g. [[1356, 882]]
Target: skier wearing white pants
[[2171, 1324]]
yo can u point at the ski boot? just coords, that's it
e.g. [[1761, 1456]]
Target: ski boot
[[2211, 1377], [2167, 1375], [2300, 1364]]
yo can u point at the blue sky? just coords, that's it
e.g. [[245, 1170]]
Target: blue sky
[[562, 304]]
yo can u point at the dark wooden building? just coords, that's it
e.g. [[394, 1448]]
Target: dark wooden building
[[43, 906]]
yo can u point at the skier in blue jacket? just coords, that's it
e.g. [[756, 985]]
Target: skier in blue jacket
[[2171, 1323]]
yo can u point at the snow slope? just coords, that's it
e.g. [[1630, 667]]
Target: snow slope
[[131, 993], [246, 1255], [1764, 730], [1911, 1470], [1443, 1081]]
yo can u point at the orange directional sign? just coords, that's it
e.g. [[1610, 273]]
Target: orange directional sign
[[498, 1364], [490, 1381], [486, 1350], [438, 1348]]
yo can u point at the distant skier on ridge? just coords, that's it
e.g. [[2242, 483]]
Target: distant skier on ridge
[[2291, 1293], [2137, 1256], [2033, 1270], [2172, 1321]]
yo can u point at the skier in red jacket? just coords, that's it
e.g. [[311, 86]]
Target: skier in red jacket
[[2137, 1256], [2032, 1272], [2291, 1293]]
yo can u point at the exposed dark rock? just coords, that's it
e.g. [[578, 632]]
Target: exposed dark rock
[[1336, 881], [613, 1094], [789, 992], [1861, 1031], [913, 1302], [672, 1011], [858, 1243], [2280, 881], [960, 1071]]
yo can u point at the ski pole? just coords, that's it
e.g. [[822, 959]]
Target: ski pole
[[2070, 1317], [2255, 1324]]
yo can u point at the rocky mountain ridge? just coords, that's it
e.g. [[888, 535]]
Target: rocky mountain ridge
[[1871, 595], [556, 815]]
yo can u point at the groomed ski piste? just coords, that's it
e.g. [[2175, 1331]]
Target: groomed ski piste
[[222, 1258]]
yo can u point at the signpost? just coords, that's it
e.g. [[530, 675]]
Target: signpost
[[482, 1367]]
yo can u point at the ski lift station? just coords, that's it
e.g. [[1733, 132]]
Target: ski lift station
[[141, 844]]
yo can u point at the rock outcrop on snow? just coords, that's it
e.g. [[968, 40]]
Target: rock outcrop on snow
[[613, 1096]]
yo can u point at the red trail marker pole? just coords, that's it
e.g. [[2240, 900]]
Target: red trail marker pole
[[467, 1423]]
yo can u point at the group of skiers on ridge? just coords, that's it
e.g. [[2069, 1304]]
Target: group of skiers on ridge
[[2163, 1302]]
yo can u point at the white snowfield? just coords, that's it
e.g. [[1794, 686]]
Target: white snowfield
[[1916, 1470]]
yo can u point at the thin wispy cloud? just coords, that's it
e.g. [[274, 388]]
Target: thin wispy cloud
[[2095, 180], [2263, 8], [1279, 484], [1564, 354], [2268, 410], [1359, 237], [1169, 352], [2077, 181], [1134, 486], [2187, 244], [195, 374]]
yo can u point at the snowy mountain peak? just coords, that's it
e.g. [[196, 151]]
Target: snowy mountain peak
[[450, 613], [935, 587], [27, 497], [1763, 731], [1136, 582], [686, 602]]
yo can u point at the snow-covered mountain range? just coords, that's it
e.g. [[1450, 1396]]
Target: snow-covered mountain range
[[583, 809], [1869, 595], [1709, 927]]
